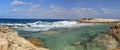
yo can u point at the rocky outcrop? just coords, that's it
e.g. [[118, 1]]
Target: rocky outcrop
[[115, 31], [112, 39], [108, 42], [10, 40]]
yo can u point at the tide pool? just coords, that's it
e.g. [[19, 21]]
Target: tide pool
[[65, 38]]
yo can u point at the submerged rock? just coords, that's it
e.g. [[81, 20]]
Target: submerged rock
[[108, 41], [112, 39], [76, 43], [36, 42], [10, 40]]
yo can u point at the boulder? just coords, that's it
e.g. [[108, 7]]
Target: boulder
[[115, 31]]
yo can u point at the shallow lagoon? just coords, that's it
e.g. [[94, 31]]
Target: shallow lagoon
[[65, 38]]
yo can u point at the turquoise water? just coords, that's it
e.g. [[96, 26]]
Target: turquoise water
[[65, 39]]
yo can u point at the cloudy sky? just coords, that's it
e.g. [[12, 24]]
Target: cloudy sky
[[59, 9]]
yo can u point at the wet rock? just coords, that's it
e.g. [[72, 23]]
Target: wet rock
[[36, 42], [107, 41]]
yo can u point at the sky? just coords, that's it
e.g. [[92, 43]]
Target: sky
[[59, 9]]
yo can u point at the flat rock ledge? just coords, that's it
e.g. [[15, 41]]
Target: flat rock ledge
[[10, 40]]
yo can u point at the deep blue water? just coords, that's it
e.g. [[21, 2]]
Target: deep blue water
[[29, 20]]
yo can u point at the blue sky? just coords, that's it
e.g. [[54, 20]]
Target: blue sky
[[59, 9]]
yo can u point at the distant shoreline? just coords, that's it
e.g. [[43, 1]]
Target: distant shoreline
[[97, 20]]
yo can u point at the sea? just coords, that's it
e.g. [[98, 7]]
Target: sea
[[61, 34]]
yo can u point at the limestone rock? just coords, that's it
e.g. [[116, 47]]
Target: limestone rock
[[108, 41], [3, 44], [10, 40], [115, 31]]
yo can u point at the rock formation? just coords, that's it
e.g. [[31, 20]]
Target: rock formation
[[112, 39], [109, 42], [115, 31], [97, 20], [10, 40], [36, 42]]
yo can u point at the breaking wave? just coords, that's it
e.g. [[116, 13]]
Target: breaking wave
[[44, 26]]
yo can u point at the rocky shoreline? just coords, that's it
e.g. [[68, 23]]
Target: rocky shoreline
[[114, 33], [109, 41], [97, 20], [10, 40]]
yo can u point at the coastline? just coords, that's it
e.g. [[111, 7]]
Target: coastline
[[89, 33], [10, 40], [97, 20]]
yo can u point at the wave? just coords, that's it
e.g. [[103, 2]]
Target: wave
[[44, 26]]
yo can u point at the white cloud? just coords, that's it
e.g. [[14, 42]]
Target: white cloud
[[52, 6], [83, 11], [57, 9], [15, 2], [110, 11], [19, 10], [33, 8]]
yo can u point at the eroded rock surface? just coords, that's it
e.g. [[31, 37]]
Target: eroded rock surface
[[115, 31], [108, 42], [10, 40], [112, 40]]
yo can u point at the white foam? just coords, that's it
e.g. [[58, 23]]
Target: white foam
[[44, 26]]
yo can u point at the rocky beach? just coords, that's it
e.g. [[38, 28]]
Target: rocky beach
[[90, 34]]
